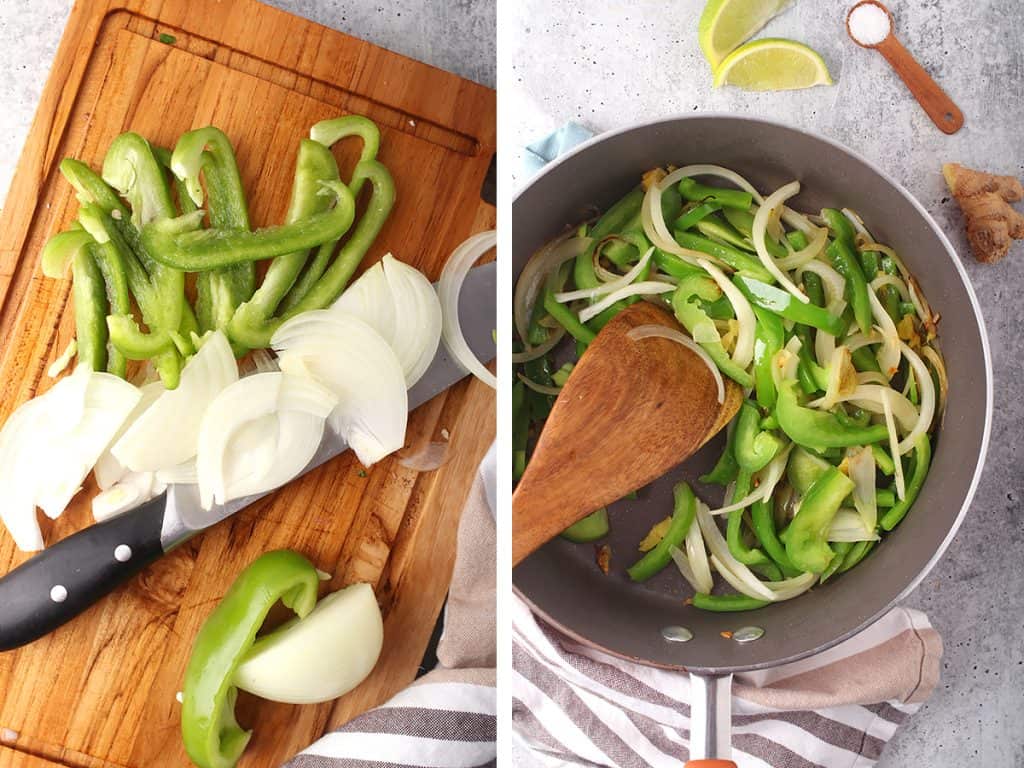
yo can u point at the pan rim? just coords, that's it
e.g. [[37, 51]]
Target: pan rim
[[950, 253]]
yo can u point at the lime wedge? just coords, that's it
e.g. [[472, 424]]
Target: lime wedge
[[773, 64], [726, 24]]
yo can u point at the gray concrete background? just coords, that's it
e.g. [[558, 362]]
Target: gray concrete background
[[455, 35], [607, 65]]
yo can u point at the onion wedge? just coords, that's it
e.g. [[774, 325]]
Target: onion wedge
[[167, 433], [350, 359], [258, 434]]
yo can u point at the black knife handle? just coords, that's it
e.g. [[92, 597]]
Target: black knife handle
[[63, 580]]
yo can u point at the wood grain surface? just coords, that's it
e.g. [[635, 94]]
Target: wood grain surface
[[101, 691]]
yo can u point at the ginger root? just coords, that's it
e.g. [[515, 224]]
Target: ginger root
[[985, 199]]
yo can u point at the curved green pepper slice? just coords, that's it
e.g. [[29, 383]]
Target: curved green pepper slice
[[734, 529], [688, 292], [842, 253], [683, 512], [769, 338], [753, 447], [742, 263], [820, 429], [90, 300], [922, 461], [694, 191], [212, 736], [783, 303], [806, 537], [180, 244], [726, 603]]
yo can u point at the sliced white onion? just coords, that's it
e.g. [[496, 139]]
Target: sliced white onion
[[182, 474], [259, 433], [842, 378], [764, 483], [653, 220], [49, 445], [636, 289], [683, 566], [320, 657], [132, 489], [262, 361], [620, 281], [848, 526], [109, 470], [805, 255], [938, 364], [736, 573], [857, 221], [351, 359], [857, 340], [664, 332], [884, 279], [697, 556], [890, 424], [537, 269], [921, 306], [448, 288], [861, 464], [744, 351], [872, 377], [58, 366], [760, 228], [398, 302], [787, 589], [833, 283], [167, 433], [889, 354], [869, 397], [926, 388]]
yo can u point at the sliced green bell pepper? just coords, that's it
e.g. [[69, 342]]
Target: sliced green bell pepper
[[726, 603], [696, 192], [742, 263], [688, 311], [753, 447], [842, 253], [820, 429], [683, 513], [786, 305], [922, 462], [806, 537], [734, 530], [90, 300], [591, 528], [212, 736], [769, 338]]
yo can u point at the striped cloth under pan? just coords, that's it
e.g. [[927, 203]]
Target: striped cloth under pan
[[573, 705]]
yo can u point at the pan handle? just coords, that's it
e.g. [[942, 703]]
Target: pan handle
[[710, 721]]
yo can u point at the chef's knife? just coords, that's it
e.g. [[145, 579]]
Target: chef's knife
[[65, 579]]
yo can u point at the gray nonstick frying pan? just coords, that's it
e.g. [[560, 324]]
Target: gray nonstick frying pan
[[640, 622]]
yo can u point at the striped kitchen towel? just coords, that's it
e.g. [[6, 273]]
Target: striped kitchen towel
[[446, 719], [576, 706]]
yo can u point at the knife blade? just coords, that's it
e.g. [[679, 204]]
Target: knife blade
[[63, 580]]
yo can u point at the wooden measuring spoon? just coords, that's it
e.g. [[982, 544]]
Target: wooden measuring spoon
[[630, 411], [940, 108]]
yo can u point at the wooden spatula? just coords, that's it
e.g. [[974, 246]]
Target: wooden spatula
[[630, 411]]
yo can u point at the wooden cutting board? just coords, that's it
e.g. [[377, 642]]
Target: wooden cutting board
[[101, 690]]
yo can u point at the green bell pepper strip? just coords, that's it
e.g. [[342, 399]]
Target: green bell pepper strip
[[734, 529], [922, 461], [90, 300], [806, 537], [856, 554], [539, 404], [884, 497], [212, 736], [841, 550], [672, 265], [869, 263], [813, 378], [841, 252], [769, 338], [889, 266], [786, 305], [814, 288], [683, 513], [726, 603], [890, 300], [520, 429], [753, 447], [696, 192], [327, 133], [119, 300], [690, 315], [180, 244], [591, 528], [820, 429], [742, 263], [251, 324], [743, 222], [568, 320], [726, 469], [153, 299], [804, 468], [60, 251], [207, 153], [562, 374], [336, 277], [864, 360], [91, 188], [720, 231], [883, 460], [763, 522], [631, 242], [768, 570], [696, 214]]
